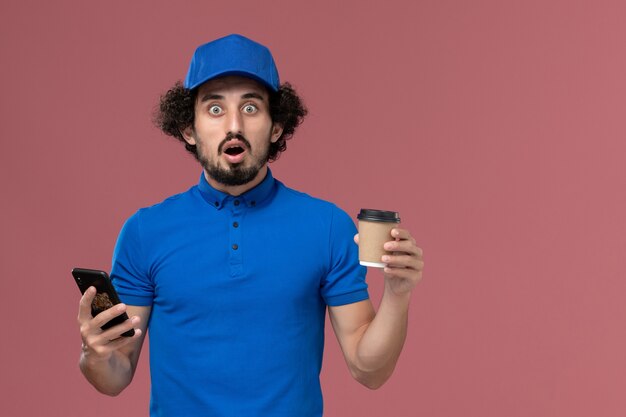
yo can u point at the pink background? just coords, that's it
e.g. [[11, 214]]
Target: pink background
[[496, 128]]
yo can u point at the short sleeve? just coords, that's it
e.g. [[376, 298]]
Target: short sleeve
[[129, 273], [345, 281]]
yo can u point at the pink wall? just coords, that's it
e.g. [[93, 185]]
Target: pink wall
[[496, 128]]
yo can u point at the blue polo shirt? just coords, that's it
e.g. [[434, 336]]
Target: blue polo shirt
[[238, 288]]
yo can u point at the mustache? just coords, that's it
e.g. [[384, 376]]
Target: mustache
[[231, 136]]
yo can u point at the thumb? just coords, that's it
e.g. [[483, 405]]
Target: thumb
[[84, 306], [356, 238]]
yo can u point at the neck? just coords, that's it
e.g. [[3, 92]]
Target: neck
[[236, 190]]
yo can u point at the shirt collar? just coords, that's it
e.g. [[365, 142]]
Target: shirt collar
[[250, 198]]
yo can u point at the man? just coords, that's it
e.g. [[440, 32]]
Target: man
[[233, 277]]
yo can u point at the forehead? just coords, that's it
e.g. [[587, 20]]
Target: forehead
[[231, 85]]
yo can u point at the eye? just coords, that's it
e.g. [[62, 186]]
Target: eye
[[250, 108], [215, 110]]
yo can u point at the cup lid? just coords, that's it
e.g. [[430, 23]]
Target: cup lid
[[372, 215]]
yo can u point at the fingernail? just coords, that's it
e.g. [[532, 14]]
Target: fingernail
[[385, 258]]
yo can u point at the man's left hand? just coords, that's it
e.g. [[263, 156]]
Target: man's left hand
[[404, 264]]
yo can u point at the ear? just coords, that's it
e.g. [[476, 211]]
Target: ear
[[188, 135], [277, 130]]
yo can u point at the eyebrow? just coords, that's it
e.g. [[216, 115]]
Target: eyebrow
[[208, 97], [253, 95]]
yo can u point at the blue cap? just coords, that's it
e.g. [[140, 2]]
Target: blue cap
[[232, 55]]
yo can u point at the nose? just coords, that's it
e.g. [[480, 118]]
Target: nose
[[234, 123]]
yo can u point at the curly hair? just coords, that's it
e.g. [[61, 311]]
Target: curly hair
[[176, 112]]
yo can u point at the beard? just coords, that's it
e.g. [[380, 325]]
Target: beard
[[235, 174]]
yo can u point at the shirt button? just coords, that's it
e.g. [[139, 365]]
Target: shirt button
[[235, 246], [235, 224], [217, 203], [236, 202]]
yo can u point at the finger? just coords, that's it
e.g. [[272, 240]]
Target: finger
[[404, 273], [121, 341], [405, 246], [102, 347], [116, 331], [84, 306], [109, 314], [136, 335], [403, 261], [356, 238], [399, 233]]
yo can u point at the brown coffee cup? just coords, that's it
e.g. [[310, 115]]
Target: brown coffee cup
[[374, 230]]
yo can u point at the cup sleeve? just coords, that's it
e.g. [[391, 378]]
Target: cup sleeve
[[345, 281], [129, 273]]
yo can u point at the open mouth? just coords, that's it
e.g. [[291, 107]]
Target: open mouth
[[233, 151]]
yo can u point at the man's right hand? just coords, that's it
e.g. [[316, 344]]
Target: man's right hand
[[98, 344]]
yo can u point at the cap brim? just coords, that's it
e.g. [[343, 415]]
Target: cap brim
[[227, 73]]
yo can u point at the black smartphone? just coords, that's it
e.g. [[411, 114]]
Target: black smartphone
[[106, 296]]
